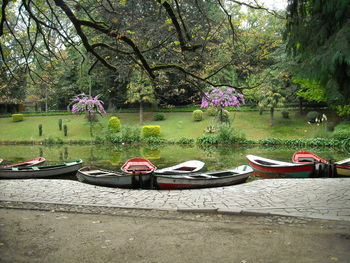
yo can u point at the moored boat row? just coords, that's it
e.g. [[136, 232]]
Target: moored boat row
[[141, 173]]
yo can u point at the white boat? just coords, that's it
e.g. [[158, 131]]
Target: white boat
[[203, 180], [182, 168]]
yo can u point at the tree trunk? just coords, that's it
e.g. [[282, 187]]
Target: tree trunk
[[301, 106], [272, 109], [141, 112]]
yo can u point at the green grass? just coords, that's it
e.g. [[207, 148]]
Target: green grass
[[176, 125]]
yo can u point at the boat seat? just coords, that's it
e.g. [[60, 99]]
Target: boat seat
[[35, 168], [105, 174]]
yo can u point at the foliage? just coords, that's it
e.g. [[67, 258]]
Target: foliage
[[318, 37], [211, 111], [159, 116], [40, 127], [342, 131], [311, 116], [130, 133], [285, 114], [154, 140], [17, 117], [150, 131], [185, 141], [228, 134], [114, 124], [87, 104], [197, 115], [207, 139]]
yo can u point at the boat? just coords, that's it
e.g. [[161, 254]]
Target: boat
[[203, 180], [182, 168], [138, 166], [97, 176], [1, 160], [273, 168], [32, 162], [307, 157], [343, 167], [23, 172]]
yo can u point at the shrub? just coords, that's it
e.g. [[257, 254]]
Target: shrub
[[150, 131], [40, 129], [130, 134], [311, 116], [60, 124], [342, 131], [17, 117], [114, 124], [227, 134], [206, 139], [185, 141], [65, 130], [211, 111], [285, 114], [159, 117], [197, 115]]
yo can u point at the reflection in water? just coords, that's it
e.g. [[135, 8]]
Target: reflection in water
[[112, 157]]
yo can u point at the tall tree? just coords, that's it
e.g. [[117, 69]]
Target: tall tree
[[318, 35]]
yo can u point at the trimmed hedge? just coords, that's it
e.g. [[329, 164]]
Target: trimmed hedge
[[197, 115], [114, 124], [159, 117], [150, 131], [17, 117]]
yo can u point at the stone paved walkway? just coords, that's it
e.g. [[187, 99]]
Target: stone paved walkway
[[314, 198]]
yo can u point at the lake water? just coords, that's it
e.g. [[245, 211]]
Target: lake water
[[112, 157]]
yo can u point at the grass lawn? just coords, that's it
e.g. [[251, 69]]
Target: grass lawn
[[176, 125]]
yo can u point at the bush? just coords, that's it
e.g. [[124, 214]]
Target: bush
[[197, 115], [227, 134], [185, 141], [285, 114], [311, 116], [60, 124], [65, 130], [159, 117], [40, 129], [150, 131], [17, 117], [211, 111], [206, 139], [342, 131], [114, 124], [129, 134]]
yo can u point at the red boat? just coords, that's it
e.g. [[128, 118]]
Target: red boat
[[307, 157], [138, 166], [274, 168], [32, 162]]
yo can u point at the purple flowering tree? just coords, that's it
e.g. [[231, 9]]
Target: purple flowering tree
[[219, 98], [89, 105]]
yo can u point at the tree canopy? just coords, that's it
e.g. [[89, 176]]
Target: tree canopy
[[318, 36]]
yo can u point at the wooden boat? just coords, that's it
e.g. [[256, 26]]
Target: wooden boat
[[182, 168], [32, 162], [307, 157], [96, 176], [343, 167], [1, 160], [203, 180], [23, 172], [273, 168], [138, 166]]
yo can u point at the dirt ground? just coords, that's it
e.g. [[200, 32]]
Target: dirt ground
[[50, 237]]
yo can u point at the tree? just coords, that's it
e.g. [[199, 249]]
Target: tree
[[140, 90], [318, 37]]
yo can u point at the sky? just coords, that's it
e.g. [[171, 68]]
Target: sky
[[274, 4]]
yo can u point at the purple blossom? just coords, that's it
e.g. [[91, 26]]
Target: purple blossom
[[89, 104], [221, 98]]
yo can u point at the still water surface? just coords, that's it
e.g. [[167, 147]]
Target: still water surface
[[112, 157]]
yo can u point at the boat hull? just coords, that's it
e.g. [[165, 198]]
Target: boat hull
[[205, 180], [112, 179], [40, 171], [32, 162], [343, 170], [270, 168]]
